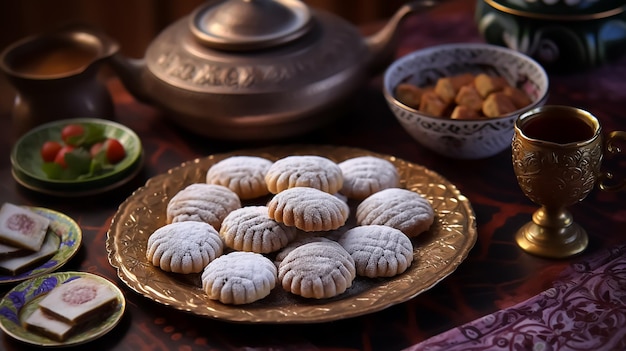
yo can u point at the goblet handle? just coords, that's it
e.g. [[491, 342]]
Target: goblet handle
[[612, 150]]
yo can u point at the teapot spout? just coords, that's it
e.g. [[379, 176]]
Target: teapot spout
[[382, 44], [130, 72]]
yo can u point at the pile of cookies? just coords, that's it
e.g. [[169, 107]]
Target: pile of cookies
[[301, 238], [464, 96]]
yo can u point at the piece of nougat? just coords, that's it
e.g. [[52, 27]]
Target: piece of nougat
[[469, 97], [460, 80], [520, 98], [445, 89], [431, 104], [409, 94], [22, 227], [12, 251], [79, 300], [486, 84], [464, 112], [17, 264], [498, 104], [448, 87], [43, 324]]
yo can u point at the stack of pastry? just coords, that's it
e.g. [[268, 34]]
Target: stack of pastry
[[70, 307], [25, 239]]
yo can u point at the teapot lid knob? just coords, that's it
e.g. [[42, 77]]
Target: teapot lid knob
[[250, 24]]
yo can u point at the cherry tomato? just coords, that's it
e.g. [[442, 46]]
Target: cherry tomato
[[60, 157], [114, 150], [49, 150], [72, 133], [96, 148]]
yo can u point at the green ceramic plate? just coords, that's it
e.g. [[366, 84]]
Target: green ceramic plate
[[23, 299], [27, 163], [93, 188], [71, 239]]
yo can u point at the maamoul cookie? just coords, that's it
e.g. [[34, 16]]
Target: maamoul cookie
[[399, 208], [308, 209], [239, 278], [365, 175], [202, 202], [184, 247], [317, 270], [304, 171], [280, 256], [378, 250], [245, 175], [251, 229]]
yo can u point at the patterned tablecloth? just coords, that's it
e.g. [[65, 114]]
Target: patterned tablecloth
[[499, 298], [584, 310]]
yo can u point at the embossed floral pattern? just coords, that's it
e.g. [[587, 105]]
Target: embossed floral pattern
[[560, 177]]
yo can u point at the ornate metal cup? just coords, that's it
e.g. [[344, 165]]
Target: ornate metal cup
[[557, 157]]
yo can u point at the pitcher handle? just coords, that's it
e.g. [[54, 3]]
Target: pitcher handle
[[612, 149]]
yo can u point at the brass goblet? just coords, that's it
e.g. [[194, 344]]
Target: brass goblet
[[557, 153]]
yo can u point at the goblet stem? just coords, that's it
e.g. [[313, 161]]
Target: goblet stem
[[552, 233]]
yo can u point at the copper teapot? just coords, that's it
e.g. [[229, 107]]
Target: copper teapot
[[257, 69]]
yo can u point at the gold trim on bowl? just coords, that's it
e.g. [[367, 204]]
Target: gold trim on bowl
[[556, 17]]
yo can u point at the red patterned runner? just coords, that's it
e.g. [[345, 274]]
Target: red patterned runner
[[584, 310]]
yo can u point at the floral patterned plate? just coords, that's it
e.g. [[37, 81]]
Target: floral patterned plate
[[23, 299], [71, 239]]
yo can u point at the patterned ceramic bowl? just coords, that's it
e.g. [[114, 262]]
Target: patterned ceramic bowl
[[563, 35], [463, 138]]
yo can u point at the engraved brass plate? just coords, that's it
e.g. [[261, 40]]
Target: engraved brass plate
[[437, 252]]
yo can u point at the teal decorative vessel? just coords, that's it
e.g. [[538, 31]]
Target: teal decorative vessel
[[563, 35]]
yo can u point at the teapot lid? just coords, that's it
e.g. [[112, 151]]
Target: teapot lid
[[250, 24]]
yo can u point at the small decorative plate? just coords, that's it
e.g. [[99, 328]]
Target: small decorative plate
[[71, 239], [437, 253], [27, 163], [120, 179], [23, 299]]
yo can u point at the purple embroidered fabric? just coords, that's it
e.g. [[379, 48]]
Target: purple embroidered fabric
[[584, 310]]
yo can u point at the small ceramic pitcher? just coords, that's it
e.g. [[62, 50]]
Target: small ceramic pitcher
[[56, 76]]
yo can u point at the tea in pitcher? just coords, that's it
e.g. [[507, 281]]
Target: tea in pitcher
[[55, 60]]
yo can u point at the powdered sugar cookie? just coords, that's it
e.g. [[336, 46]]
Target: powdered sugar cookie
[[317, 270], [280, 256], [399, 208], [304, 171], [365, 175], [245, 175], [378, 250], [251, 229], [239, 278], [308, 209], [184, 247], [202, 202]]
